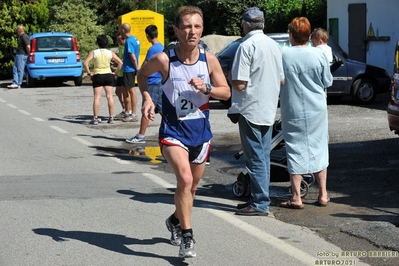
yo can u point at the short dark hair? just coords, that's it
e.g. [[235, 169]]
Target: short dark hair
[[102, 41], [151, 31], [187, 10]]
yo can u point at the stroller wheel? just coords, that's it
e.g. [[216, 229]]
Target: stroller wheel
[[240, 189], [309, 178], [304, 188]]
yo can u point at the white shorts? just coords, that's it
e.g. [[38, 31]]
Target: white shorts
[[196, 154]]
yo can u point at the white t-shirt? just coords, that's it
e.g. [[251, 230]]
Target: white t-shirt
[[258, 61], [327, 51]]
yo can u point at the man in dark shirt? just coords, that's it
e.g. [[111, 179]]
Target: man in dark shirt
[[21, 57]]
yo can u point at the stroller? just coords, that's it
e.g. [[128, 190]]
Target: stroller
[[278, 167]]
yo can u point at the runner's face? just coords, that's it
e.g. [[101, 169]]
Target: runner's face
[[190, 29]]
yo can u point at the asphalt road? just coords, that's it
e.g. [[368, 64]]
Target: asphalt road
[[362, 215], [362, 182]]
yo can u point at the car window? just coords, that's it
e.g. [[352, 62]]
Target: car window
[[229, 51], [54, 43], [283, 43], [286, 43]]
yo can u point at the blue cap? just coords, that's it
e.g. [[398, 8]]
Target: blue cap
[[253, 14]]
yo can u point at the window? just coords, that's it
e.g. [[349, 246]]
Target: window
[[54, 43]]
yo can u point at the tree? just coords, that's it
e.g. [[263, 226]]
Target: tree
[[224, 16], [87, 19], [279, 13], [76, 17], [316, 11], [108, 12], [33, 15], [168, 9]]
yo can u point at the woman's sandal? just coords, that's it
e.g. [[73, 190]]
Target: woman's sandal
[[288, 204], [322, 203]]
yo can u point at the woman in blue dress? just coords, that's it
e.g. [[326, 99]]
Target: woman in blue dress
[[304, 111]]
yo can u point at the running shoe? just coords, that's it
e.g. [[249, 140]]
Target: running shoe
[[175, 238], [110, 120], [187, 246], [136, 139], [120, 116], [95, 121], [130, 118]]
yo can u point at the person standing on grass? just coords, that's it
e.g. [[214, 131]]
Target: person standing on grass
[[154, 83]]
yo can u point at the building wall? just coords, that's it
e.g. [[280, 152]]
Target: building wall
[[384, 15]]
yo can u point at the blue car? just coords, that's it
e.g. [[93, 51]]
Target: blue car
[[54, 55]]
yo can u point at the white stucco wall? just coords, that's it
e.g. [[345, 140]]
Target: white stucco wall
[[383, 14]]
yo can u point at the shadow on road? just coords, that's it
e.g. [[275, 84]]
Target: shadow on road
[[112, 242], [207, 191]]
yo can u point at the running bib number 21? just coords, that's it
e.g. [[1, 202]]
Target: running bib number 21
[[186, 110]]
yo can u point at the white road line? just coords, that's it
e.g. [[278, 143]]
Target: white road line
[[12, 106], [59, 129], [84, 142], [3, 101], [265, 237], [252, 230], [24, 112], [120, 161], [158, 180]]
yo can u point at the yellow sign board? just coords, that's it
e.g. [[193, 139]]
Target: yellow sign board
[[138, 21]]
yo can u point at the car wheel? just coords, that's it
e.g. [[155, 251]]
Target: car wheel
[[30, 82], [78, 80], [363, 91]]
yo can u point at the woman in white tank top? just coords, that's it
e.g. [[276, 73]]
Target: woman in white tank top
[[102, 76]]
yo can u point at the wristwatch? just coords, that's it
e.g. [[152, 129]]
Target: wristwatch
[[208, 88]]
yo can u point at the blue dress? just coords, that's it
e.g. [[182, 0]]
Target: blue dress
[[303, 107]]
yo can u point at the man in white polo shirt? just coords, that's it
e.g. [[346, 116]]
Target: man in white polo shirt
[[256, 76]]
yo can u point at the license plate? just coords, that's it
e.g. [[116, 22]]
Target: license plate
[[55, 60]]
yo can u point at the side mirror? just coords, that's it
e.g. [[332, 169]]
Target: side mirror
[[336, 63]]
